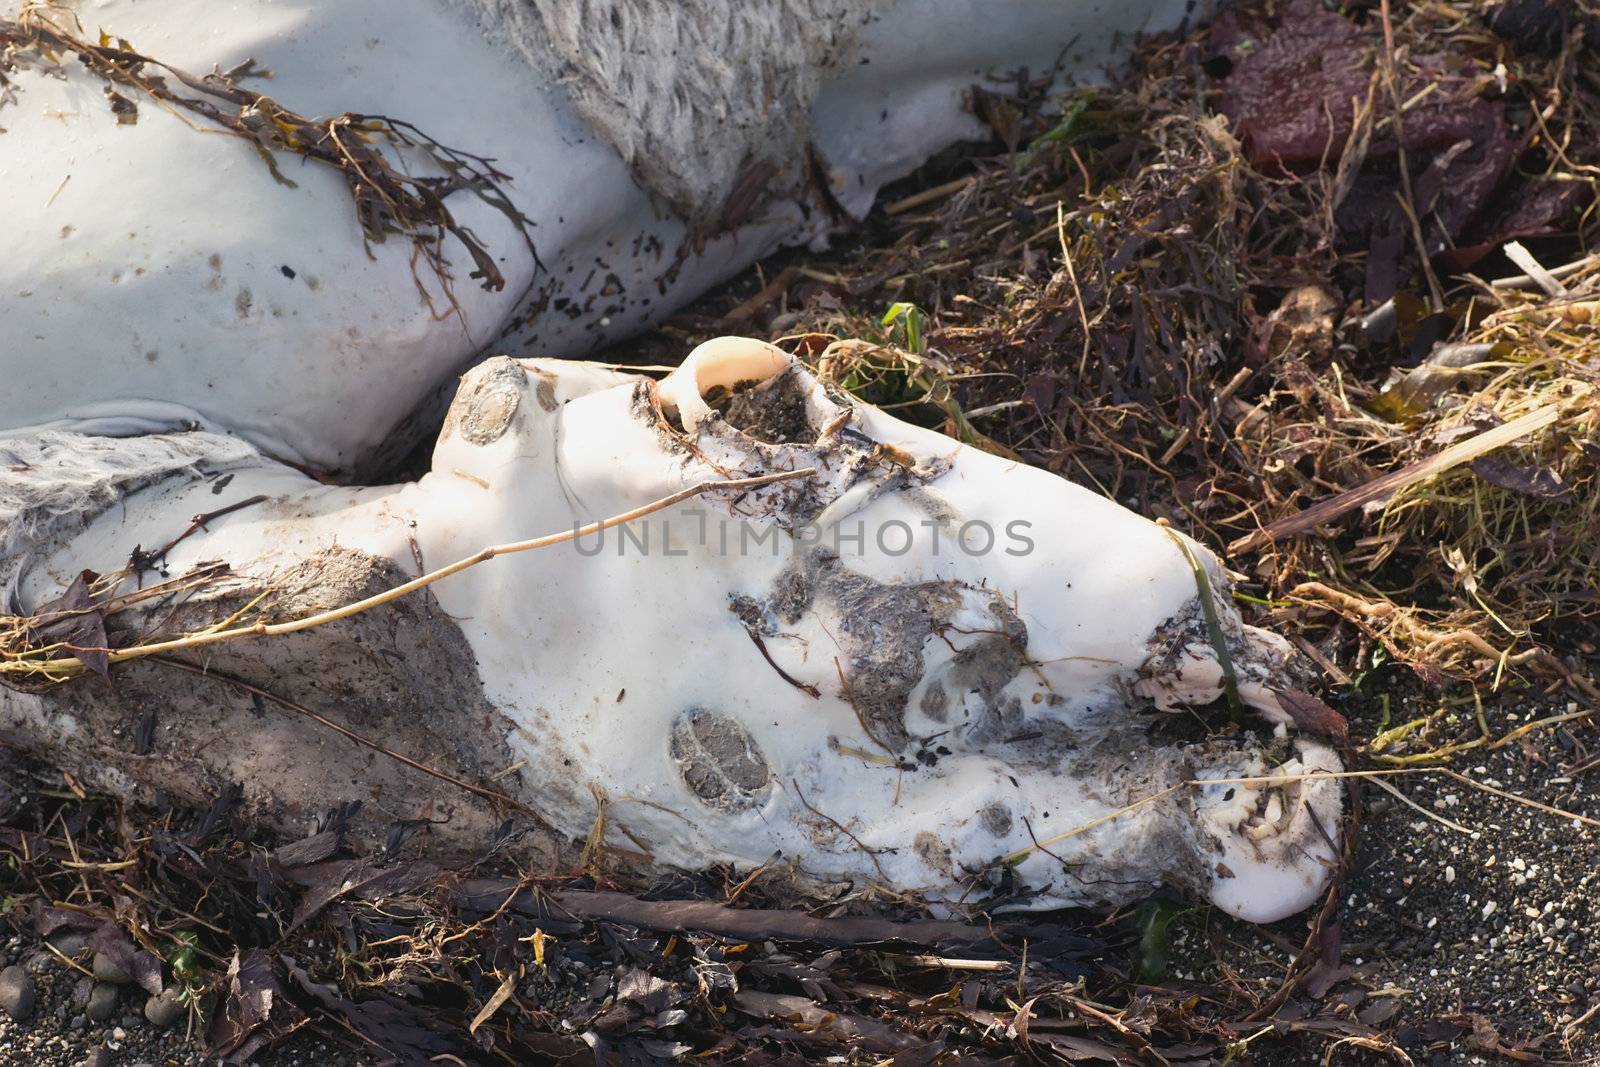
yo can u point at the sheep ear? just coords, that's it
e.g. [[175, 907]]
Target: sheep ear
[[719, 364]]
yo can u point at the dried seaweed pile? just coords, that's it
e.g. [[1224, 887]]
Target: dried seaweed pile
[[1247, 287]]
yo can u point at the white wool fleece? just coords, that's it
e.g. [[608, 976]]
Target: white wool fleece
[[53, 482]]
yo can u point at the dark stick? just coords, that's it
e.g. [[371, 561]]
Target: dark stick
[[141, 561], [683, 916], [808, 690]]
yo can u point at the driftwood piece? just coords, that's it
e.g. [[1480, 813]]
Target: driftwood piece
[[704, 916]]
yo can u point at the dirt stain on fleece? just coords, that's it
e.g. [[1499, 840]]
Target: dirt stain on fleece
[[402, 672], [884, 630], [720, 761], [486, 405]]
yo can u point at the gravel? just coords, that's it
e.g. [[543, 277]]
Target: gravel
[[1493, 925]]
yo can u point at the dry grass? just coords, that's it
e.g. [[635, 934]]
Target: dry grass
[[1135, 303], [365, 149]]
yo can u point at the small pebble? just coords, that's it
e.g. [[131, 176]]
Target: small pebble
[[100, 1057], [102, 1003], [70, 944], [108, 970], [17, 994], [166, 1009]]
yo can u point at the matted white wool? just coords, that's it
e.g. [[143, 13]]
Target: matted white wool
[[52, 482], [692, 95]]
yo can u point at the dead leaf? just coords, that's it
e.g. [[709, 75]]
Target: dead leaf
[[1541, 483], [393, 1025], [1290, 95], [73, 619], [1311, 715], [493, 1004], [254, 1010], [143, 967]]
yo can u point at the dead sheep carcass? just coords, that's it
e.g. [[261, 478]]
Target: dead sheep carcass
[[906, 661], [886, 658]]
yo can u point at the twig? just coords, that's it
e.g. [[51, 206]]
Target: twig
[[1077, 293], [1566, 270], [1551, 720], [387, 201], [960, 965], [1272, 781], [142, 561], [872, 854], [808, 690], [1408, 201], [1518, 254], [746, 310], [705, 916], [928, 196], [1330, 668], [1379, 488], [68, 960], [1223, 395], [1524, 801], [1420, 810], [849, 698], [72, 664]]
